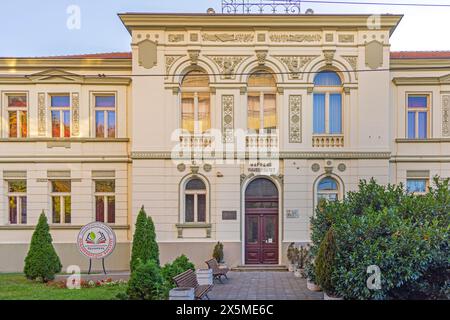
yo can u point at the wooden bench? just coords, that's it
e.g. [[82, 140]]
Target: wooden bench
[[218, 272], [188, 279]]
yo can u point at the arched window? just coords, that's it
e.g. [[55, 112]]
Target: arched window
[[327, 189], [195, 194], [195, 102], [261, 107], [327, 103]]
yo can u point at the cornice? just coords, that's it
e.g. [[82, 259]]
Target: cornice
[[431, 140], [282, 155], [85, 63], [249, 21], [408, 81]]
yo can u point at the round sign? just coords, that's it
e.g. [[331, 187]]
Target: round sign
[[96, 240]]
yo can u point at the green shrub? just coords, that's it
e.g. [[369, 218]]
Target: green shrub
[[218, 252], [405, 235], [325, 263], [146, 282], [170, 270], [145, 246], [42, 262]]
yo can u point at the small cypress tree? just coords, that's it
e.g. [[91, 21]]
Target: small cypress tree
[[141, 246], [154, 249], [325, 262], [42, 262]]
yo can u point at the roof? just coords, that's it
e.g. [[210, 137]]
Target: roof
[[420, 55], [105, 55]]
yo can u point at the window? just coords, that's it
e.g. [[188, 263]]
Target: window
[[17, 115], [61, 201], [105, 201], [418, 116], [105, 116], [261, 106], [327, 189], [195, 102], [60, 113], [195, 201], [17, 201], [327, 103], [418, 186]]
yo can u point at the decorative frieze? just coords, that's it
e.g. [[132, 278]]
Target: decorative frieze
[[228, 65], [42, 115], [228, 37], [295, 119], [346, 38], [295, 64], [446, 116], [174, 38], [227, 118], [282, 37], [75, 114]]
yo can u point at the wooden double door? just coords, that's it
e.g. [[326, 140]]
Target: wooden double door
[[261, 223]]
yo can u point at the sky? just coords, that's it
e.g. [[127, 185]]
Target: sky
[[46, 27]]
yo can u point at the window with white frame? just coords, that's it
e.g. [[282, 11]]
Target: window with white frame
[[17, 201], [61, 201], [418, 116], [60, 115], [105, 115], [105, 201], [17, 105], [327, 103], [195, 102], [261, 102], [195, 194], [17, 115], [327, 189]]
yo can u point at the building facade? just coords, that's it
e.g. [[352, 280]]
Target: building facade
[[225, 128]]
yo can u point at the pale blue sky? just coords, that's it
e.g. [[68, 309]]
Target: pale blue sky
[[38, 27]]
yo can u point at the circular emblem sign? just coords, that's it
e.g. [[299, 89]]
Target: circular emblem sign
[[96, 240]]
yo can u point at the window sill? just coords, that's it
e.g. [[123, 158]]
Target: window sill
[[433, 140], [74, 140], [193, 225]]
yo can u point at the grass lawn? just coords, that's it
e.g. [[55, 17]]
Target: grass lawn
[[17, 287]]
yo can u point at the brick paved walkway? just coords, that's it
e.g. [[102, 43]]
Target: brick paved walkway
[[263, 286]]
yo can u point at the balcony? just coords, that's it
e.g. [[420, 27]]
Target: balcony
[[195, 142], [261, 141], [328, 140]]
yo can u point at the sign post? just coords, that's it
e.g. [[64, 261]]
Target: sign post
[[96, 240]]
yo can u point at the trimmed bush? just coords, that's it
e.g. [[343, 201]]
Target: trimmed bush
[[145, 246], [170, 270], [325, 263], [218, 252], [405, 235], [146, 282], [42, 262]]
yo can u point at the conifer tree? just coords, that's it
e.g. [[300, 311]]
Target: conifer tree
[[42, 262]]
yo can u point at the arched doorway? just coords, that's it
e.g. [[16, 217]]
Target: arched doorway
[[261, 222]]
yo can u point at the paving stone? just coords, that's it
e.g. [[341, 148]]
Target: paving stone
[[263, 286]]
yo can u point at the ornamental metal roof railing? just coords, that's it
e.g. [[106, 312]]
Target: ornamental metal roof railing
[[261, 6]]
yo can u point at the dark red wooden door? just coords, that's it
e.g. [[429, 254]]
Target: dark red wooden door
[[261, 223]]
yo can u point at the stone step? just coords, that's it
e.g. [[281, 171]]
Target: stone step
[[260, 268]]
